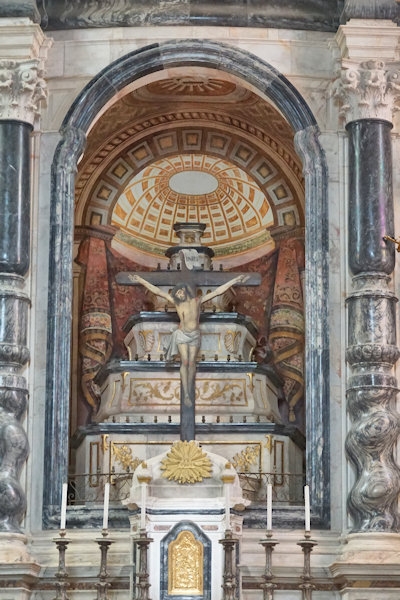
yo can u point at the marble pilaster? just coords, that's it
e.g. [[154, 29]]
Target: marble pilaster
[[60, 314]]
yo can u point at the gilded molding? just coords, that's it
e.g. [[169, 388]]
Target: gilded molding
[[122, 453], [251, 455]]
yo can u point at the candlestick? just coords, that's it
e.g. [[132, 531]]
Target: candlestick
[[269, 507], [307, 508], [106, 503], [103, 583], [307, 586], [61, 575], [268, 586], [229, 581], [142, 586], [63, 517]]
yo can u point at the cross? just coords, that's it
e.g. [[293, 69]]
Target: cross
[[185, 341]]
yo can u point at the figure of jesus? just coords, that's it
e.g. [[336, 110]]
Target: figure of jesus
[[185, 341]]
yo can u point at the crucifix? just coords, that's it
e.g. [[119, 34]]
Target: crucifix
[[184, 343]]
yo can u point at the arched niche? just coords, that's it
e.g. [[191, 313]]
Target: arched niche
[[86, 108]]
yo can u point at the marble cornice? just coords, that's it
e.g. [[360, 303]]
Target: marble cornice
[[320, 15], [102, 232], [367, 39], [20, 39], [282, 232]]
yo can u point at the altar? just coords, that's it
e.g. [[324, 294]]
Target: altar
[[235, 413]]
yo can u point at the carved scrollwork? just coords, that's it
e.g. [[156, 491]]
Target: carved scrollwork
[[146, 339], [232, 341], [242, 461], [123, 454]]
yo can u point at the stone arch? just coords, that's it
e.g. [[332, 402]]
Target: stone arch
[[90, 102]]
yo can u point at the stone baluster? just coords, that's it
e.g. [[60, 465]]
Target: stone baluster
[[369, 92], [22, 91]]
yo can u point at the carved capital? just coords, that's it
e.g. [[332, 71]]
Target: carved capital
[[22, 89], [368, 90]]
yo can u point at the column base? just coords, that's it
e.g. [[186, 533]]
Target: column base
[[368, 566], [18, 570], [13, 549]]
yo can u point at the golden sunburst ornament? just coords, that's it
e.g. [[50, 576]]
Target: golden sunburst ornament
[[186, 463]]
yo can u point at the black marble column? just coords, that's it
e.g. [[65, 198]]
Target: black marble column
[[14, 306], [15, 197], [372, 350]]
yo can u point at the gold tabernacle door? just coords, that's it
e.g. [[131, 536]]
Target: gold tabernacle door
[[185, 565]]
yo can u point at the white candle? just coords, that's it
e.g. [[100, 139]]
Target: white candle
[[106, 503], [269, 507], [143, 507], [227, 506], [307, 508], [63, 518]]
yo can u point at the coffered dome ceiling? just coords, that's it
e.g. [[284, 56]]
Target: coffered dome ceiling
[[190, 147]]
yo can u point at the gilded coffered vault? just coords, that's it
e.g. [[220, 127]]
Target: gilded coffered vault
[[193, 127]]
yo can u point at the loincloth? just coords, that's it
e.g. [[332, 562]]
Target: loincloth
[[190, 338]]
